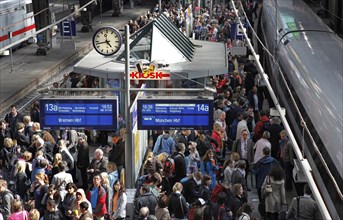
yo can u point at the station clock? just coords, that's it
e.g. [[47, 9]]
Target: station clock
[[107, 41]]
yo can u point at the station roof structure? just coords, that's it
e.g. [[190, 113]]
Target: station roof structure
[[161, 42]]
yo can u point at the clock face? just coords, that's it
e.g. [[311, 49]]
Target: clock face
[[107, 41]]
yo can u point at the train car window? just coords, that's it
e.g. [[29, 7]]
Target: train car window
[[29, 8]]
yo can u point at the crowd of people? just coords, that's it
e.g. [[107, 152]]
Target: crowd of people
[[188, 174]]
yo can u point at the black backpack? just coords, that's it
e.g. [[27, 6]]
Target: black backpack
[[266, 125], [203, 146]]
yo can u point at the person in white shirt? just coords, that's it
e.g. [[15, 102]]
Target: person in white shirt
[[260, 144], [61, 179], [242, 125]]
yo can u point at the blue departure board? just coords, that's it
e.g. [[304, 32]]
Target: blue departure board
[[79, 113], [175, 114]]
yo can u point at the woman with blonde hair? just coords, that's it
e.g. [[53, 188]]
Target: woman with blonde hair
[[218, 136], [36, 129], [56, 161], [38, 189], [162, 157], [178, 206], [27, 156], [21, 179], [34, 214], [18, 213], [7, 158], [109, 191]]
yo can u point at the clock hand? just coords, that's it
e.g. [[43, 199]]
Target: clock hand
[[102, 42], [108, 43]]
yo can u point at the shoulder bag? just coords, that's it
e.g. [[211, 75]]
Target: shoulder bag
[[183, 214], [268, 187]]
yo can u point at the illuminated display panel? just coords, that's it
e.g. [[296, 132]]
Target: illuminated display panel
[[175, 114], [79, 113]]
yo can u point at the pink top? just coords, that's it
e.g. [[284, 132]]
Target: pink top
[[21, 215]]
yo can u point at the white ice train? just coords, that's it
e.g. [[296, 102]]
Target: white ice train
[[310, 55], [16, 21]]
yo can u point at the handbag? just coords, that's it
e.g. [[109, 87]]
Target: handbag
[[283, 212], [183, 214], [268, 187], [28, 182]]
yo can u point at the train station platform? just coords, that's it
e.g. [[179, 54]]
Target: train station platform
[[27, 72]]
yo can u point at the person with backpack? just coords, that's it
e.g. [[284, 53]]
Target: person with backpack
[[151, 164], [179, 169], [219, 210], [164, 143], [204, 143], [261, 169], [304, 207], [7, 158], [6, 198], [261, 126], [145, 199]]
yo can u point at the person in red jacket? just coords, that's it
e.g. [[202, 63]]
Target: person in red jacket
[[218, 136], [261, 125], [97, 197]]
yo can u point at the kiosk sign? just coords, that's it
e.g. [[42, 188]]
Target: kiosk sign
[[79, 113], [173, 113], [156, 75]]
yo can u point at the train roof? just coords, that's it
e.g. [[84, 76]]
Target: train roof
[[313, 62]]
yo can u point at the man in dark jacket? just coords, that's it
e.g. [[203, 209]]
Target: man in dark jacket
[[146, 199], [12, 118], [238, 176], [82, 162], [274, 129], [183, 138], [117, 153], [52, 213], [191, 188], [6, 198], [98, 164], [22, 139], [180, 164], [262, 168], [4, 133]]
